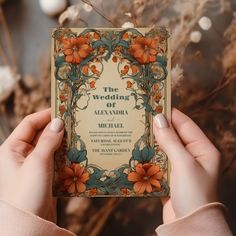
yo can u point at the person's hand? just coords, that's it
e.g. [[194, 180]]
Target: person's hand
[[26, 164], [194, 165]]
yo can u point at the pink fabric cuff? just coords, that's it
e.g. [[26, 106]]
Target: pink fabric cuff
[[207, 220], [16, 222]]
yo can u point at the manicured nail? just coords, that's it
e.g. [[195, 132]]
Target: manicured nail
[[57, 125], [161, 121]]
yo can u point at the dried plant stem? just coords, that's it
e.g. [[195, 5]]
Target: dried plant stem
[[99, 12], [8, 37], [3, 56]]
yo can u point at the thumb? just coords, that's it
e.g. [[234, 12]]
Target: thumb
[[49, 140], [169, 141]]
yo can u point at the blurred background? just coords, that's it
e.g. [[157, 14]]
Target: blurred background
[[203, 55]]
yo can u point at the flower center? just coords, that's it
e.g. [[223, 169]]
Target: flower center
[[146, 178], [146, 48], [75, 178]]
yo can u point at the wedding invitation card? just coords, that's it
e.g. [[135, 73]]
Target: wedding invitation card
[[107, 85]]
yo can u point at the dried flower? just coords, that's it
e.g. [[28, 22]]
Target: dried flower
[[205, 23], [195, 36], [127, 25], [8, 79]]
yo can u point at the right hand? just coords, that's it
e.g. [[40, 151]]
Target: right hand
[[194, 165]]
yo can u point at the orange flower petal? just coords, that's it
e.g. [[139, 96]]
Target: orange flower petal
[[85, 69], [84, 177], [68, 171], [146, 166], [153, 170], [145, 57], [154, 44], [148, 187], [69, 58], [68, 182], [68, 51], [82, 53], [148, 41], [139, 169], [73, 41], [152, 58], [153, 51], [158, 175], [78, 170], [80, 187], [140, 40], [134, 177], [135, 47], [66, 43], [71, 188], [139, 53], [85, 47], [139, 187], [155, 183]]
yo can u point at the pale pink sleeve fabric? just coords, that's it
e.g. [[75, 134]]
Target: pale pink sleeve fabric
[[15, 222], [208, 220]]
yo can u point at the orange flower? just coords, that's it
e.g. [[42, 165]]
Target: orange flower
[[94, 70], [146, 177], [114, 59], [85, 69], [101, 50], [96, 35], [63, 97], [159, 109], [93, 192], [74, 178], [134, 69], [129, 84], [125, 36], [92, 84], [143, 49], [76, 49], [125, 191], [125, 70], [62, 109], [157, 96], [155, 86]]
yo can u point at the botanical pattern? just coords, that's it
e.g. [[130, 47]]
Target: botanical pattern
[[141, 61]]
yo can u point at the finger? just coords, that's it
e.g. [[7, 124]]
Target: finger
[[192, 136], [36, 138], [49, 141], [168, 211], [28, 128], [169, 141]]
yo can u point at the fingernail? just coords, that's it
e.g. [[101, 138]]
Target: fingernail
[[57, 125], [161, 121]]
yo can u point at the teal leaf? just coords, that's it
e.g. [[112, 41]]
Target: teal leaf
[[59, 61], [75, 155], [147, 154], [136, 155]]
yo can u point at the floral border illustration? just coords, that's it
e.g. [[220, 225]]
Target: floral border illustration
[[142, 62]]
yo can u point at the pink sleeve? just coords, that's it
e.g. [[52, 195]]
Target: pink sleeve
[[15, 222], [207, 220]]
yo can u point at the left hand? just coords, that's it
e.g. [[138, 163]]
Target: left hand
[[26, 164]]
